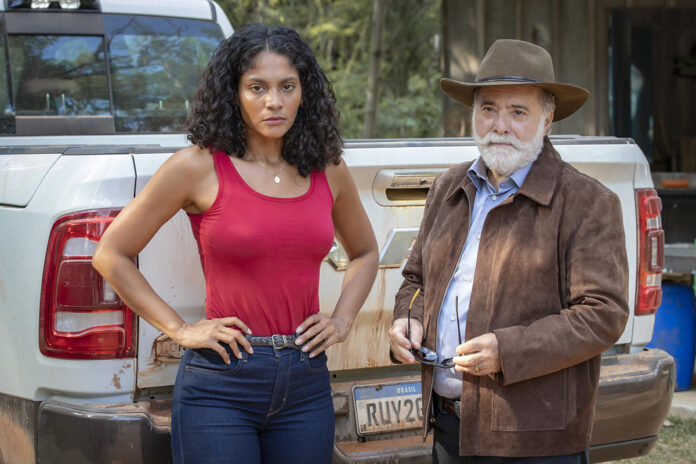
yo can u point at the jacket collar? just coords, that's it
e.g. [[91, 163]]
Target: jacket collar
[[539, 185]]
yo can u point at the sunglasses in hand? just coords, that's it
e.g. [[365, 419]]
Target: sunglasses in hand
[[425, 355]]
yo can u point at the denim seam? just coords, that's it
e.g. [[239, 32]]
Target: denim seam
[[313, 370], [269, 415], [178, 387], [203, 370], [211, 371], [178, 431]]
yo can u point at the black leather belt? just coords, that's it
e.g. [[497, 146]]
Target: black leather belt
[[276, 341], [448, 406]]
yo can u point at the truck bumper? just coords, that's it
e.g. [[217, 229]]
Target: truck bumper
[[407, 450], [633, 400], [134, 433], [635, 394], [634, 397]]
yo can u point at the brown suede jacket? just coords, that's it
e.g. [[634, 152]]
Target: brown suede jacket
[[551, 283]]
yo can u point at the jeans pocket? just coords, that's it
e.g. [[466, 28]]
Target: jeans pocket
[[206, 361], [315, 364]]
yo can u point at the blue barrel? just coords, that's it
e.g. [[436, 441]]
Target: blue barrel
[[675, 330]]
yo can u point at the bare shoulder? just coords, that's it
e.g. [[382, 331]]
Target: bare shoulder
[[192, 161], [338, 176], [337, 171], [183, 176]]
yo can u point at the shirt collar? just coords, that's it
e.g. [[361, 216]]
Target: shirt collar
[[539, 184], [478, 173]]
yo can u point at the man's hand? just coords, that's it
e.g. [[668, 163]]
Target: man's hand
[[478, 356], [399, 342]]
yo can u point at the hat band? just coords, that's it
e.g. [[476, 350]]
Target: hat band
[[504, 78]]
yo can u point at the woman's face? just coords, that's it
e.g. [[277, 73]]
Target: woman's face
[[269, 95]]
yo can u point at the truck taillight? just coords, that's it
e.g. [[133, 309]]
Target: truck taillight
[[651, 250], [81, 315]]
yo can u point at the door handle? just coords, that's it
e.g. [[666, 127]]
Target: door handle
[[402, 188]]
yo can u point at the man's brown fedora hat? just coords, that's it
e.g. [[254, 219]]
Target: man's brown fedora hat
[[515, 62]]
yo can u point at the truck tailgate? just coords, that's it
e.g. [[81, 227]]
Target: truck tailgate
[[393, 179], [171, 265]]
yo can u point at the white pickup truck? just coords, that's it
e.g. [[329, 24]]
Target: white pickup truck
[[92, 94]]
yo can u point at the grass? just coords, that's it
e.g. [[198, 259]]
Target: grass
[[676, 445]]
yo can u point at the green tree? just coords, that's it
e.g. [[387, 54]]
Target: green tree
[[339, 33]]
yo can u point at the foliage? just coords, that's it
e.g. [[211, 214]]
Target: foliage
[[339, 33]]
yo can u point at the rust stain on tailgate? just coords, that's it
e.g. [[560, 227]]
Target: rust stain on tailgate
[[164, 352], [367, 344], [116, 381], [16, 444]]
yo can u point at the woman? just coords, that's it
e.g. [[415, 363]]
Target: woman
[[266, 191]]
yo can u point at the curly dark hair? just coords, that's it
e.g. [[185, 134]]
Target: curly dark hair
[[215, 121]]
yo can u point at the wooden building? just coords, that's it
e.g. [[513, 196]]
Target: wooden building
[[637, 58]]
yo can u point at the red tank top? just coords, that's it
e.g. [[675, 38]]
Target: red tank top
[[261, 254]]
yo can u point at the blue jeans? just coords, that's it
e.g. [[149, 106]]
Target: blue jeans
[[273, 406]]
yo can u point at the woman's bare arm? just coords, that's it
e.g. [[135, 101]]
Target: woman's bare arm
[[186, 180]]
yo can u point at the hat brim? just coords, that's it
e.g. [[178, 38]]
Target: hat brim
[[569, 98]]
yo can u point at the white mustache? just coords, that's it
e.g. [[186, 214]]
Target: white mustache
[[510, 139]]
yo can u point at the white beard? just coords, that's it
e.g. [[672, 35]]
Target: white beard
[[506, 159]]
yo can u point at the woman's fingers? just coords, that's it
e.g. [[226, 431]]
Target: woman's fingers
[[237, 338], [310, 327], [315, 336], [234, 321], [319, 344], [309, 322], [222, 352], [234, 344], [318, 332], [210, 333]]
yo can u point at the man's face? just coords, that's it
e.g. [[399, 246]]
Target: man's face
[[509, 126]]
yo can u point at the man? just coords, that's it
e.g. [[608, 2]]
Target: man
[[519, 274]]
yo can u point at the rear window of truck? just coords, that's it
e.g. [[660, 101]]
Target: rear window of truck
[[142, 73], [58, 75]]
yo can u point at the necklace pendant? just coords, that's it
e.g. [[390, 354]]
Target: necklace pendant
[[277, 179]]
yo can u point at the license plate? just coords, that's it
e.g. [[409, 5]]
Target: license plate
[[388, 407]]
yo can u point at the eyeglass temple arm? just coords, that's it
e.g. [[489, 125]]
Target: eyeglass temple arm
[[456, 311], [408, 321]]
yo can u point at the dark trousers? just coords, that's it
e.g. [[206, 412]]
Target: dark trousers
[[273, 406], [446, 448]]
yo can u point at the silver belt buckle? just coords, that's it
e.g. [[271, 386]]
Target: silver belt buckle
[[279, 341]]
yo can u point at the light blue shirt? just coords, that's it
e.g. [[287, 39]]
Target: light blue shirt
[[447, 382]]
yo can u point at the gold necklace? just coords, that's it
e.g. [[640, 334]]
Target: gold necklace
[[276, 175]]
